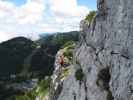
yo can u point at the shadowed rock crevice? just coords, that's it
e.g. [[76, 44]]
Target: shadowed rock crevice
[[85, 88], [102, 7], [103, 78], [103, 81], [74, 95], [58, 92]]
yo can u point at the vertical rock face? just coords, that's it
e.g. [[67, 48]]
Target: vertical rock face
[[105, 54]]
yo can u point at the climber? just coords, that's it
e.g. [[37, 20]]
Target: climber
[[61, 60]]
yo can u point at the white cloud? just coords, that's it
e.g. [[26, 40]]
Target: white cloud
[[3, 36], [67, 13], [39, 16], [68, 8], [31, 12]]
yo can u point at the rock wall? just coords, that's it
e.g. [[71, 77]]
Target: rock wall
[[105, 54]]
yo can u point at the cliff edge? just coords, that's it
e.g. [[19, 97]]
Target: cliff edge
[[103, 60]]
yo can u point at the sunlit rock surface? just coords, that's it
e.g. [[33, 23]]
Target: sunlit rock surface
[[105, 54]]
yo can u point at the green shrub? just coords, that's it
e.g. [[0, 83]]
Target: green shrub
[[43, 85], [68, 49], [27, 96], [90, 16], [68, 44], [79, 74], [68, 54], [41, 90]]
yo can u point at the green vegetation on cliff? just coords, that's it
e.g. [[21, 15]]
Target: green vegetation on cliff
[[14, 55], [40, 91], [14, 52], [90, 16], [79, 74]]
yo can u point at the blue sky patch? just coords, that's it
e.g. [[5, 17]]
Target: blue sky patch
[[91, 4], [18, 2]]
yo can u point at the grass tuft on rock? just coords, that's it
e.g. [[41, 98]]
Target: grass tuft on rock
[[79, 74], [90, 16]]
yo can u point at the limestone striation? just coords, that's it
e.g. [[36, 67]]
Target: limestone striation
[[105, 56]]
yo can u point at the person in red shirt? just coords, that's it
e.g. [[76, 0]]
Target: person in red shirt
[[61, 60]]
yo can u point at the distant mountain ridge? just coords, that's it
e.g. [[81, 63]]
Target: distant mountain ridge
[[14, 52]]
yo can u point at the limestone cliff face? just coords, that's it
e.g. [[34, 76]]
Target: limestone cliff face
[[105, 54]]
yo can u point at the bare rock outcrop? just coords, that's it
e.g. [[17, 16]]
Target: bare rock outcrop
[[105, 55]]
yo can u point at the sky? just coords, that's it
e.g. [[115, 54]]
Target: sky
[[30, 18]]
